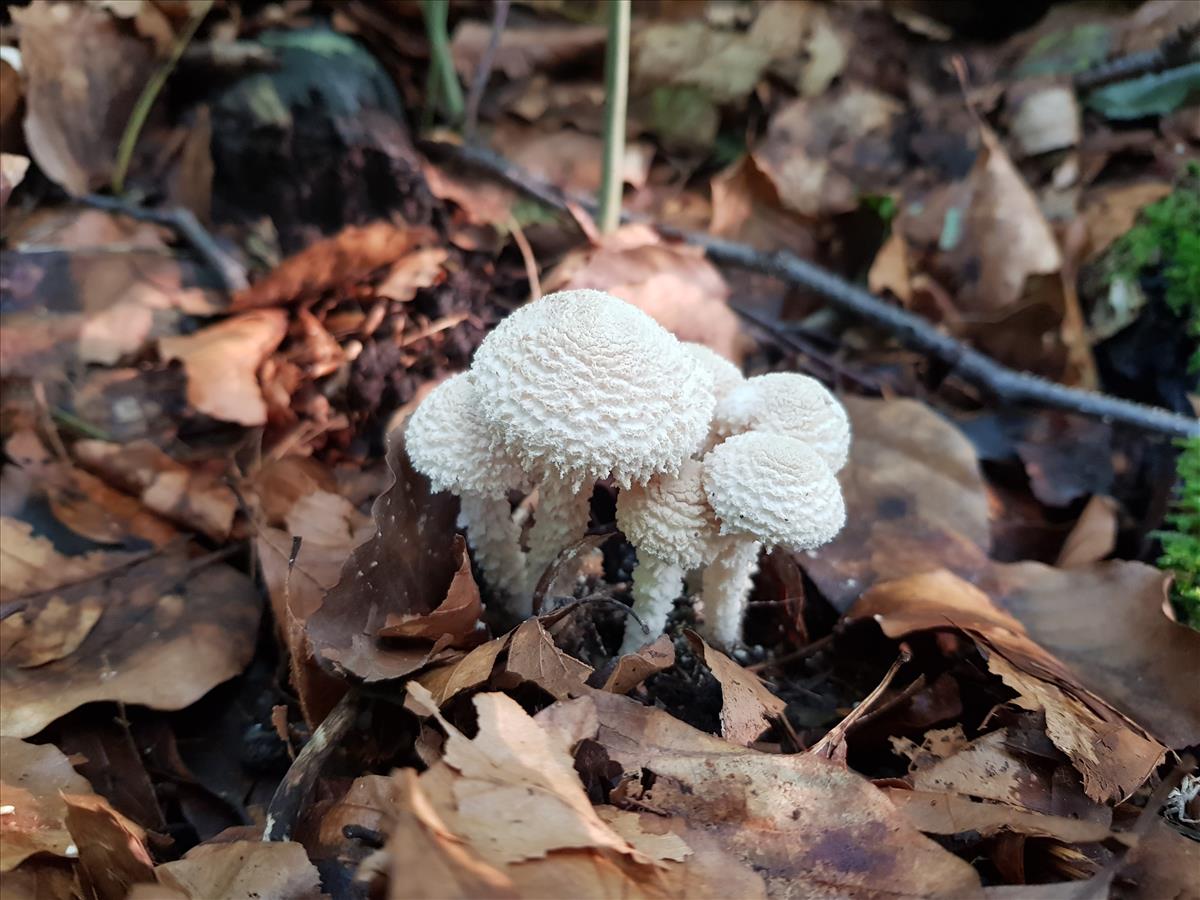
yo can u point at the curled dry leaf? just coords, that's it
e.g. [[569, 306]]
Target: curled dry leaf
[[634, 668], [747, 707], [945, 813], [222, 362], [33, 779], [533, 656], [812, 828], [402, 574], [350, 255], [169, 630], [112, 849], [673, 283], [915, 501], [279, 870], [1093, 536], [83, 74], [1077, 721], [194, 499]]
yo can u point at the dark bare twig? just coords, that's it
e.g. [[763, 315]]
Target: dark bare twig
[[1176, 50], [187, 226], [484, 70], [1005, 384]]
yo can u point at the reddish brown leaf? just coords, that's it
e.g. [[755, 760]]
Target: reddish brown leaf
[[634, 668], [747, 707], [279, 870], [33, 779]]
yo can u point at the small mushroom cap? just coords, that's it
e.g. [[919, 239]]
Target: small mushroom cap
[[587, 386], [448, 443], [774, 488], [726, 376], [789, 404], [669, 517]]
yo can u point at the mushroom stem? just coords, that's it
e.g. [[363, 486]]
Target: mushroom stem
[[726, 586], [495, 541], [656, 584], [561, 518]]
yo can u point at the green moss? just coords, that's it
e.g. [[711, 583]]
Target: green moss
[[1181, 545], [1167, 238]]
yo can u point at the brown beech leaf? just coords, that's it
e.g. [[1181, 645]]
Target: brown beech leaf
[[33, 778], [13, 167], [1106, 621], [195, 499], [30, 564], [405, 569], [634, 668], [170, 629], [568, 159], [811, 827], [112, 849], [522, 51], [83, 74], [351, 255], [471, 671], [457, 615], [747, 707], [1094, 535], [222, 360], [533, 656], [946, 813], [279, 870], [915, 501], [1077, 721]]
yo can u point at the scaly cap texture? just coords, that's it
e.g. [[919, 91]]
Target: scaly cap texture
[[448, 443], [725, 375], [586, 386], [668, 518], [775, 489], [789, 404]]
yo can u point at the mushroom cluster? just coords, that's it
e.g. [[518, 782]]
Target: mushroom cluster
[[580, 386]]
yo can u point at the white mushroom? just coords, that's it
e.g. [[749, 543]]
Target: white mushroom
[[726, 376], [673, 528], [789, 404], [448, 443], [765, 489], [580, 386]]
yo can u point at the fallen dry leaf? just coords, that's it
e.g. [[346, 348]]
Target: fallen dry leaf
[[1110, 212], [568, 159], [822, 154], [112, 849], [170, 630], [746, 207], [222, 360], [915, 501], [83, 74], [672, 283], [33, 778], [1077, 721], [747, 707], [30, 564], [252, 869], [634, 668], [811, 827], [405, 569], [195, 499], [1093, 537], [523, 50], [13, 167], [946, 813], [533, 656]]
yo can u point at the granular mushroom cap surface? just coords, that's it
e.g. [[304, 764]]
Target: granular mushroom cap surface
[[448, 443], [669, 517], [726, 376], [774, 488], [586, 386], [789, 404]]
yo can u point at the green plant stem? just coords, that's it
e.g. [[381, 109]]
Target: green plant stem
[[616, 96], [145, 101], [441, 62]]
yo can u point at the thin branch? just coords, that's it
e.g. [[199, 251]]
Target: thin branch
[[484, 70], [441, 61], [145, 101], [187, 226], [616, 97], [1005, 384]]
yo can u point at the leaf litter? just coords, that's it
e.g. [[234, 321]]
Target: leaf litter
[[923, 707]]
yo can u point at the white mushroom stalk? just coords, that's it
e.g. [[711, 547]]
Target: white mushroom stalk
[[580, 386], [788, 404], [447, 442], [670, 523], [765, 489]]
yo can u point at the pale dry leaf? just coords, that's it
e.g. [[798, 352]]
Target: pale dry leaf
[[1093, 537], [634, 668], [946, 813], [570, 160], [33, 778], [13, 167], [278, 870], [222, 360], [1110, 212], [747, 707], [30, 564], [521, 51], [419, 269]]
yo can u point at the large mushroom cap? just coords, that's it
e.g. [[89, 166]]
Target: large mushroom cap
[[448, 443], [669, 518], [726, 376], [587, 386], [789, 404], [774, 488]]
